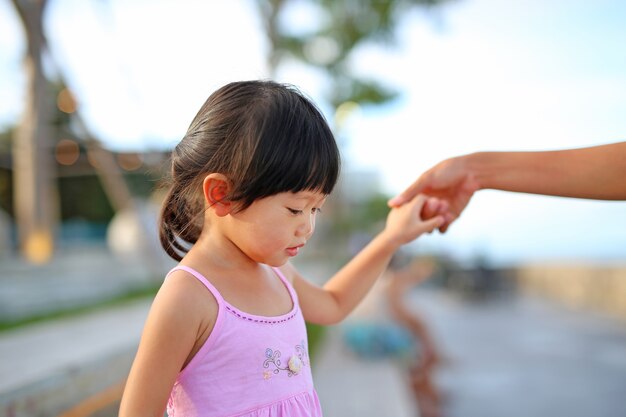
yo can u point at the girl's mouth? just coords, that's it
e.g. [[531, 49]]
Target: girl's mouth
[[293, 251]]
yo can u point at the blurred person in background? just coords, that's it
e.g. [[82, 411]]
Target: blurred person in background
[[426, 358], [597, 172]]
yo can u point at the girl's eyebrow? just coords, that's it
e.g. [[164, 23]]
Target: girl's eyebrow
[[306, 195], [310, 197]]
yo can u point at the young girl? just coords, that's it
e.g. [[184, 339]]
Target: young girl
[[226, 333]]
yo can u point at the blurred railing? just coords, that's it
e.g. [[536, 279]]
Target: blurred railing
[[601, 287]]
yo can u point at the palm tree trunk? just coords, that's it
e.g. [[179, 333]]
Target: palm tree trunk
[[36, 198]]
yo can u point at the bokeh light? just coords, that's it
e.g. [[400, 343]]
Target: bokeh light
[[38, 247], [129, 161], [67, 152], [66, 102]]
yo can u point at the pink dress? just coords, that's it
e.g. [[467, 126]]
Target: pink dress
[[252, 366]]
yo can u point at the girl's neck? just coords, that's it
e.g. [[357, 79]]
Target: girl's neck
[[220, 254]]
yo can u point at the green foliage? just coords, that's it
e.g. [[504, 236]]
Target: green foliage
[[353, 225], [5, 141], [142, 183], [361, 91], [83, 197], [345, 27], [374, 209], [6, 191], [365, 215], [315, 334]]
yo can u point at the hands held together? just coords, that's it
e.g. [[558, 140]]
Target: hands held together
[[448, 187], [595, 172]]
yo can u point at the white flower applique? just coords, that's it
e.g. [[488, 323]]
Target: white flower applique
[[295, 364], [274, 364]]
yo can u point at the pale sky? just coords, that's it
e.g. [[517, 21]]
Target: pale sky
[[474, 75]]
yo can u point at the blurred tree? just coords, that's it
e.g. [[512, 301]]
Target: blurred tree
[[342, 28], [36, 202], [35, 198]]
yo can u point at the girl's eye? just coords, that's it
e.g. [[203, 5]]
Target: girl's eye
[[296, 212]]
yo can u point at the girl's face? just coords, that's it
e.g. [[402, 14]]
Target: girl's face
[[274, 229]]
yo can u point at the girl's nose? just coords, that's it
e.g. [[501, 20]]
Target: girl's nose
[[307, 227]]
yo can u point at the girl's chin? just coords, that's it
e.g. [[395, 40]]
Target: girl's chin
[[278, 263], [275, 262]]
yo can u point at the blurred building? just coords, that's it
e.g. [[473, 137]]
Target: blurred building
[[85, 207]]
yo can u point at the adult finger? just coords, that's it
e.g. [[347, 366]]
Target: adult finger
[[407, 195], [449, 218]]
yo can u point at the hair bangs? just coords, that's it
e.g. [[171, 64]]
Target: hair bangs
[[315, 168], [295, 157], [297, 151]]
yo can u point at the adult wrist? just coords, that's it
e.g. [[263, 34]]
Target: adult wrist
[[477, 168]]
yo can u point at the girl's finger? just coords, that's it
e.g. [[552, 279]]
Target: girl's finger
[[432, 224]]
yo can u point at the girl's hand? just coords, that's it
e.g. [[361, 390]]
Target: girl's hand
[[405, 223]]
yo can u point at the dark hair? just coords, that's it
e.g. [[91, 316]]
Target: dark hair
[[265, 137]]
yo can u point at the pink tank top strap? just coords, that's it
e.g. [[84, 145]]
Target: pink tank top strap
[[292, 291], [202, 279]]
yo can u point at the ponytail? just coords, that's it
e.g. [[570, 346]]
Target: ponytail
[[179, 228]]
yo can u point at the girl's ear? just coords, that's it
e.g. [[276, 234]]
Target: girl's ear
[[216, 187]]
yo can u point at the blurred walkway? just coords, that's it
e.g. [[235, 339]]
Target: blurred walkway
[[47, 368], [522, 356], [350, 386], [35, 353]]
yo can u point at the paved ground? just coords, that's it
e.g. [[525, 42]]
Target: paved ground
[[526, 357], [351, 386], [34, 353]]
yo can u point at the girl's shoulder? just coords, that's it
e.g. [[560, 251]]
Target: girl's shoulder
[[182, 294]]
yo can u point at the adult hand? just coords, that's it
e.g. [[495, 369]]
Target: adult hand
[[451, 182]]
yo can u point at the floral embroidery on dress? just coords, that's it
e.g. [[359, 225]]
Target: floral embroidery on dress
[[294, 365]]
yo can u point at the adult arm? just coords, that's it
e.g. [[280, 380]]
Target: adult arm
[[597, 172]]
